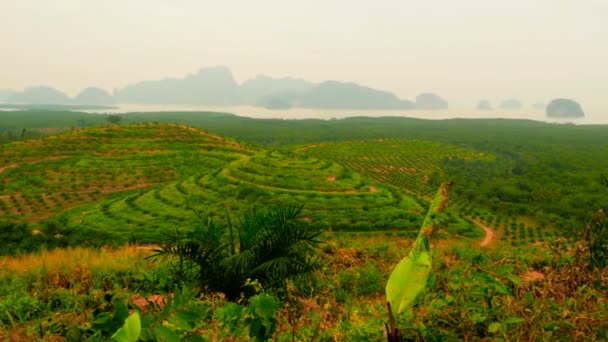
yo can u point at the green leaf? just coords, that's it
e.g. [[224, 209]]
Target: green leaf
[[130, 331], [264, 305], [165, 334], [407, 280], [180, 323], [494, 327], [263, 308], [229, 315], [502, 289], [514, 279], [513, 320], [478, 318], [411, 274]]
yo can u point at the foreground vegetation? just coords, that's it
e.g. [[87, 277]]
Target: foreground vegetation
[[472, 294]]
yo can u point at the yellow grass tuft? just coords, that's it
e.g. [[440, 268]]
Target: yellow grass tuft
[[74, 258]]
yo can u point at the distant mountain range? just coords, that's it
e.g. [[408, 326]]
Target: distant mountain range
[[216, 86], [44, 95], [5, 94]]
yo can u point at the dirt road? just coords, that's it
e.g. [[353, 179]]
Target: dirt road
[[489, 233]]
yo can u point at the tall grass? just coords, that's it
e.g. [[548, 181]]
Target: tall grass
[[69, 259]]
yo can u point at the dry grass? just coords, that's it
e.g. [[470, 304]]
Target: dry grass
[[69, 259]]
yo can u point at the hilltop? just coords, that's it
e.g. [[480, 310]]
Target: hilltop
[[41, 177], [143, 180]]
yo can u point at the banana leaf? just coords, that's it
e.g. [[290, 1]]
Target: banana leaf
[[410, 276]]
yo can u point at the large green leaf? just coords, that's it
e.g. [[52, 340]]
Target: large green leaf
[[407, 280], [130, 331], [410, 276]]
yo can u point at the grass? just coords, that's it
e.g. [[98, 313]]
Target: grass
[[69, 259]]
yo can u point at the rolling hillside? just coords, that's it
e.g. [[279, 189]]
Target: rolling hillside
[[334, 198], [42, 177], [413, 166]]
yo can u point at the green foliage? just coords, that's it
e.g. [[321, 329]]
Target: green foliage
[[262, 321], [22, 238], [270, 245], [267, 178], [410, 275], [258, 316], [130, 331], [106, 323], [41, 178], [542, 175], [597, 240], [410, 165]]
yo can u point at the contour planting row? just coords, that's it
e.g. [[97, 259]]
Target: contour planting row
[[273, 169], [149, 215], [31, 190], [411, 165]]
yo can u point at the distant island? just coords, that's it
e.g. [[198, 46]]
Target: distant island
[[44, 97], [430, 101], [564, 108], [217, 87], [39, 95], [511, 104], [484, 105]]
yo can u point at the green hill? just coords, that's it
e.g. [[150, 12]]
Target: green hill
[[41, 177], [334, 198]]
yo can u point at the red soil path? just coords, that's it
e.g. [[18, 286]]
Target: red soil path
[[489, 234]]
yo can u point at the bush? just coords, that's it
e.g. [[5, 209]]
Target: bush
[[270, 245]]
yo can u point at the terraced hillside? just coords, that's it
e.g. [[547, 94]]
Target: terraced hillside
[[42, 177], [334, 197], [410, 165]]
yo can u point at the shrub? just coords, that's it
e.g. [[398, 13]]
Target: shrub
[[269, 244]]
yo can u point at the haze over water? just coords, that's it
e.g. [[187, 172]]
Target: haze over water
[[308, 113]]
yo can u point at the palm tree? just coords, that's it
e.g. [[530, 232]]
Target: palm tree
[[269, 244]]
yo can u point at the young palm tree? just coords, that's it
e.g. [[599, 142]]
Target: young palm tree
[[269, 244]]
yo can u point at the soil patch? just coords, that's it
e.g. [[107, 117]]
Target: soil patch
[[489, 234], [531, 276]]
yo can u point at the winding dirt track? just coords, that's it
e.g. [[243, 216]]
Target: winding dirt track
[[489, 234]]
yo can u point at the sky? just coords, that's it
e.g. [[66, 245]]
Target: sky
[[464, 50]]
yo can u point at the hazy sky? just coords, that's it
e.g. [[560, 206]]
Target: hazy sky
[[462, 49]]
